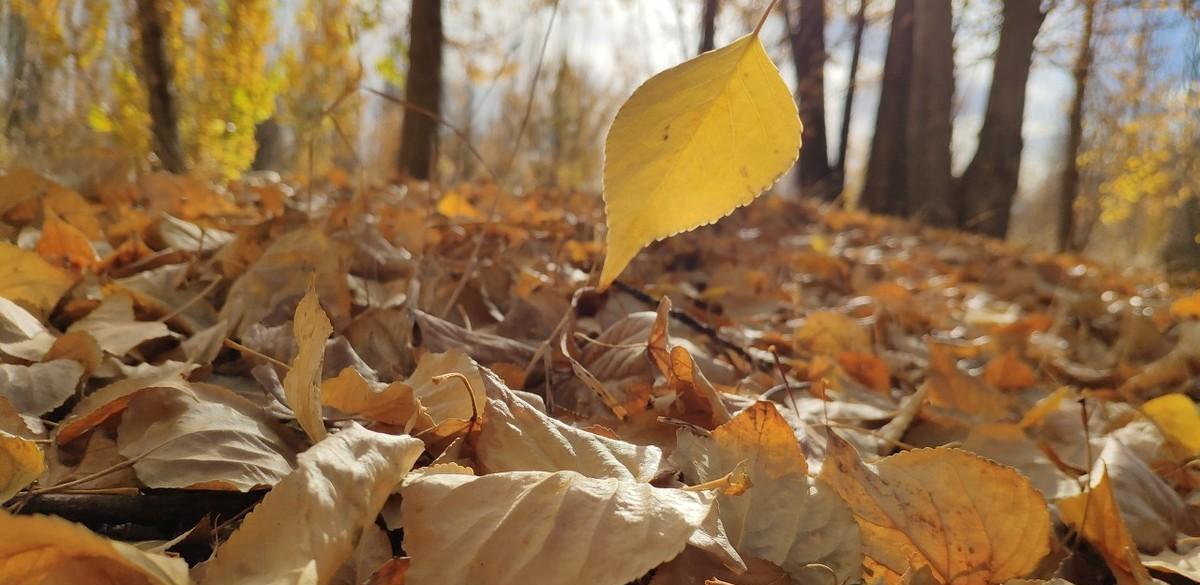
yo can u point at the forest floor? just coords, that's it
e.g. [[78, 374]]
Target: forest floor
[[791, 392]]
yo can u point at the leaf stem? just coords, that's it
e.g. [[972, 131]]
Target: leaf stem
[[763, 19]]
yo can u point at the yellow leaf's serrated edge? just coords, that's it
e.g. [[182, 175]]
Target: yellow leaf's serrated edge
[[612, 269]]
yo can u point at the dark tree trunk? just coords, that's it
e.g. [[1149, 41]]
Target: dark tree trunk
[[806, 34], [930, 194], [990, 182], [418, 135], [860, 25], [886, 185], [271, 152], [1069, 190], [708, 25], [157, 72]]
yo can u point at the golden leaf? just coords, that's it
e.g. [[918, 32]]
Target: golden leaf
[[694, 143], [47, 549], [973, 522], [31, 282]]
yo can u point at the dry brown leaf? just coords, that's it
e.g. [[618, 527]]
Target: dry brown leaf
[[953, 388], [39, 388], [21, 462], [63, 245], [548, 528], [31, 282], [448, 402], [283, 273], [96, 407], [1009, 372], [395, 404], [1095, 515], [49, 550], [323, 507], [113, 326], [1149, 507], [970, 520], [696, 567], [518, 437], [829, 333], [786, 518], [302, 384], [80, 347], [1008, 444], [867, 368], [1183, 560], [204, 437]]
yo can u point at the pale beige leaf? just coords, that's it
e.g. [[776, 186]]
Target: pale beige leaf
[[206, 437], [189, 237], [39, 388], [96, 407], [1151, 509], [526, 527], [1183, 561], [46, 550], [308, 525], [518, 437], [302, 384], [447, 399], [972, 521], [113, 326], [786, 518]]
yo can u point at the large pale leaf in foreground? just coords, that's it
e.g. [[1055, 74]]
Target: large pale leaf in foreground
[[519, 437], [309, 524], [694, 143], [971, 521], [50, 550], [546, 528], [787, 518]]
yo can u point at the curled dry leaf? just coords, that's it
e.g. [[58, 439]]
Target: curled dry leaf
[[323, 507], [557, 528], [63, 245], [46, 549], [787, 517], [204, 437], [518, 437], [302, 384], [1152, 510], [971, 521], [829, 333], [114, 327], [395, 404], [39, 388]]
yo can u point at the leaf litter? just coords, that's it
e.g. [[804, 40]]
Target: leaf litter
[[795, 394]]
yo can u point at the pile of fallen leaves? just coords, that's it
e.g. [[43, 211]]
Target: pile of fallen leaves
[[268, 383]]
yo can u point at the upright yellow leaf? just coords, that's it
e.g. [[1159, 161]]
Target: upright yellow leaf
[[694, 143], [302, 384]]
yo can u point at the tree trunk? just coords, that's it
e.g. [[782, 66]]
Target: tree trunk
[[1181, 252], [886, 185], [158, 71], [418, 135], [1069, 190], [930, 194], [708, 25], [806, 34], [990, 182], [860, 25]]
